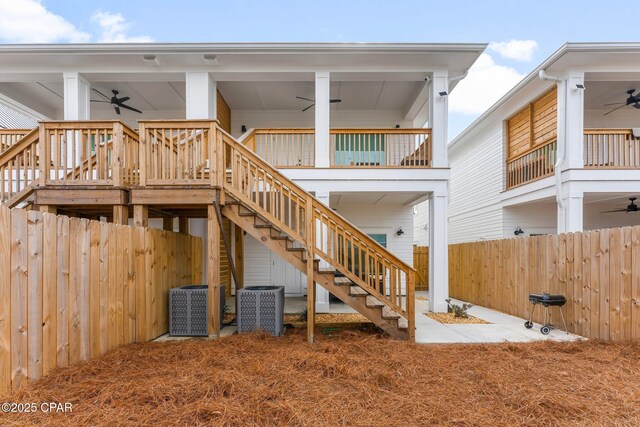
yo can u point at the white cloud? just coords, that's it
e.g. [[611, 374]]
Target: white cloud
[[113, 29], [484, 85], [28, 21], [519, 50]]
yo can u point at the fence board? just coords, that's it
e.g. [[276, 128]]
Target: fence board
[[72, 289], [421, 264], [598, 271]]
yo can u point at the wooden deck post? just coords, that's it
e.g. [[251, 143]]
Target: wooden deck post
[[311, 284], [183, 225], [118, 154], [239, 255], [213, 271], [48, 209], [121, 214], [141, 215], [167, 223]]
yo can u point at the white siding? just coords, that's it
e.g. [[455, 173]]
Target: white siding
[[534, 218], [476, 184], [257, 263], [421, 224]]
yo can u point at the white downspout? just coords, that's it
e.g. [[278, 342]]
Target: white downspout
[[561, 140]]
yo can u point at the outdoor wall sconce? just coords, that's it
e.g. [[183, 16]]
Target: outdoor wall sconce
[[399, 232], [518, 231], [243, 129]]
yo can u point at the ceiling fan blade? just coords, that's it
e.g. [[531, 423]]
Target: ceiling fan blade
[[117, 108], [333, 101], [101, 94], [124, 99], [616, 210], [310, 106], [98, 100], [615, 109], [130, 108], [306, 99]]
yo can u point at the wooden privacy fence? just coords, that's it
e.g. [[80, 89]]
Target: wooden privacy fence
[[598, 271], [72, 289], [421, 264]]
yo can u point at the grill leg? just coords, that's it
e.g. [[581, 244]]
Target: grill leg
[[563, 322], [531, 311]]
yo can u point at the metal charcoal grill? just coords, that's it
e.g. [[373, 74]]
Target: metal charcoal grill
[[546, 300]]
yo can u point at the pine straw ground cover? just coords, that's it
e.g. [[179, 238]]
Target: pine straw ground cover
[[354, 379]]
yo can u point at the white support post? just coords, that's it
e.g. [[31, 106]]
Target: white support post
[[322, 295], [570, 219], [438, 117], [201, 96], [574, 120], [77, 91], [322, 124], [438, 253]]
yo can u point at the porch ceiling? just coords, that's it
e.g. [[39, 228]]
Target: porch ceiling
[[599, 93], [375, 198]]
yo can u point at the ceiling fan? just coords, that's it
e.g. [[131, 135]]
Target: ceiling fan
[[313, 101], [631, 100], [631, 208], [115, 101]]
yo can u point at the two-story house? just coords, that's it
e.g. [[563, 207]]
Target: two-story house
[[558, 153], [306, 151]]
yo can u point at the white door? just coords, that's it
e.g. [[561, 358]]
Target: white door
[[284, 274]]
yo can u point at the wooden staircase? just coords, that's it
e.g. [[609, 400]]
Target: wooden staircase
[[290, 221]]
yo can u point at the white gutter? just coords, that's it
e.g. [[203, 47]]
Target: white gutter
[[459, 77], [561, 138]]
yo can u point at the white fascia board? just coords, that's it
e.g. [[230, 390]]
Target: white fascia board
[[346, 174], [348, 186]]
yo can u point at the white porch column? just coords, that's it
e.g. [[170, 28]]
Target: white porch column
[[201, 95], [77, 91], [570, 218], [322, 125], [322, 295], [438, 253], [571, 123], [438, 118]]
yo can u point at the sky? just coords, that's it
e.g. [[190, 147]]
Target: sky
[[520, 34]]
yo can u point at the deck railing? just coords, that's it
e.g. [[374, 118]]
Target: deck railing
[[9, 137], [367, 148], [19, 168], [348, 148], [89, 153], [176, 152], [284, 148], [532, 165], [611, 149]]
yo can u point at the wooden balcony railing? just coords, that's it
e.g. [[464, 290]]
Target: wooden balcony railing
[[19, 168], [611, 149], [367, 148], [348, 148], [89, 153], [284, 148], [9, 137], [176, 152], [532, 165]]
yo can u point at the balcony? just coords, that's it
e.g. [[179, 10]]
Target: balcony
[[348, 148], [611, 149]]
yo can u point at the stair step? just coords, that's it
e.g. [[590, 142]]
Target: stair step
[[326, 270], [387, 313], [296, 249], [343, 281], [373, 302], [357, 291], [282, 238], [247, 213], [403, 323]]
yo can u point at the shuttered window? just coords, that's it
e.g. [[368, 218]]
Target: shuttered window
[[534, 125]]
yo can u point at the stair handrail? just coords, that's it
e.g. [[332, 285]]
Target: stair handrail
[[10, 137], [318, 206], [26, 171]]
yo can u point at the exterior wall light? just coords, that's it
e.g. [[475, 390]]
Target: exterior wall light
[[399, 232], [518, 231]]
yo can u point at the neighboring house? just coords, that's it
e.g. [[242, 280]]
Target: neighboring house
[[555, 153], [363, 127]]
